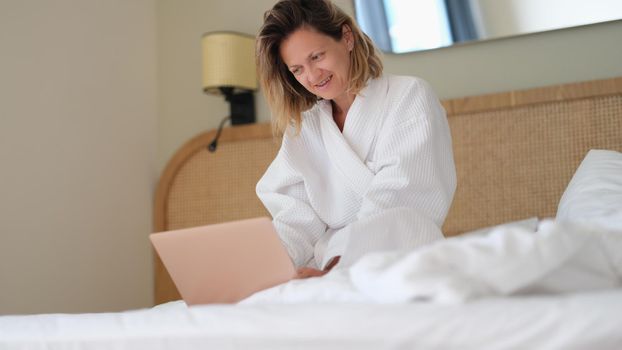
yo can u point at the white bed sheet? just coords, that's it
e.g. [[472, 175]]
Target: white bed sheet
[[590, 320]]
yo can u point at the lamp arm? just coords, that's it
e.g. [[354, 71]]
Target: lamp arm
[[212, 146]]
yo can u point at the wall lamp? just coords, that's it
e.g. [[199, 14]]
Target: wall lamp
[[229, 70]]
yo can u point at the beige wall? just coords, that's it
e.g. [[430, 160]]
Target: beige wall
[[77, 154], [575, 54]]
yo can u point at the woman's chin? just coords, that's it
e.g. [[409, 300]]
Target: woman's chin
[[325, 95]]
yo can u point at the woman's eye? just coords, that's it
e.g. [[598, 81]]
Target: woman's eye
[[296, 71], [316, 56]]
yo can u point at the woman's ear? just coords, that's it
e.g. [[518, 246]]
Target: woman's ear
[[346, 34]]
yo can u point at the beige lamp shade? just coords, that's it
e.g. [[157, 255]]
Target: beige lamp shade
[[228, 61]]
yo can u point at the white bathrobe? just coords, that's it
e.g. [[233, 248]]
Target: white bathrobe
[[385, 183]]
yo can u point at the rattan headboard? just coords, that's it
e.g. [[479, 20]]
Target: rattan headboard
[[515, 153]]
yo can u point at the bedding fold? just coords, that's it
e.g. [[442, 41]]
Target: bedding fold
[[561, 257]]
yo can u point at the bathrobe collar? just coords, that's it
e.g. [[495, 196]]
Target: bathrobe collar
[[348, 151]]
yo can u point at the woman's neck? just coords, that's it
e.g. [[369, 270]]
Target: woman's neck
[[341, 106]]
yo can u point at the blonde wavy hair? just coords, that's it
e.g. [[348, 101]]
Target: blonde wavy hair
[[286, 97]]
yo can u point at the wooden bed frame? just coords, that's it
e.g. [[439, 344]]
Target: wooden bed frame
[[515, 153]]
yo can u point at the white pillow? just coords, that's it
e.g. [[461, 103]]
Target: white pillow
[[594, 193]]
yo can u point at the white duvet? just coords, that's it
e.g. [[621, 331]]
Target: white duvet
[[564, 282], [561, 257]]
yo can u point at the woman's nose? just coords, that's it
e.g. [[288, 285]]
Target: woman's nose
[[314, 74]]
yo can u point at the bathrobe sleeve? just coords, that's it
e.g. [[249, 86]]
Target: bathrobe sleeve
[[414, 182], [282, 191]]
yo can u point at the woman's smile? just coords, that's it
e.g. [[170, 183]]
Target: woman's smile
[[324, 83]]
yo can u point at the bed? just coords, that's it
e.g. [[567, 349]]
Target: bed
[[516, 154]]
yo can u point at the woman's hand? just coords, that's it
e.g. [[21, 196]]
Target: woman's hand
[[307, 272]]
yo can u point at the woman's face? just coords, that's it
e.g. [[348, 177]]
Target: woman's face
[[319, 62]]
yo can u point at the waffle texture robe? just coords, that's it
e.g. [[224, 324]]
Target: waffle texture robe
[[385, 183]]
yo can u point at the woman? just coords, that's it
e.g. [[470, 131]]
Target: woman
[[366, 162]]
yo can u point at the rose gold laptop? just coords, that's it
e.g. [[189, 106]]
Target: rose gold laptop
[[224, 263]]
